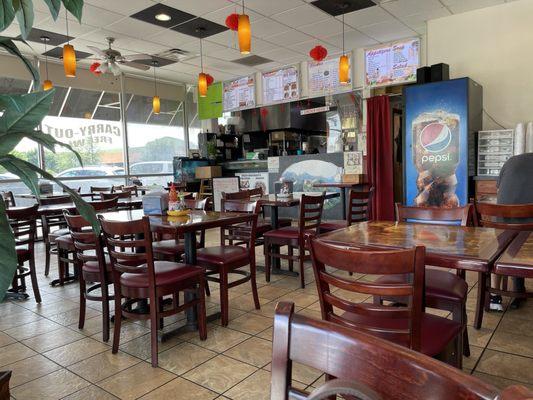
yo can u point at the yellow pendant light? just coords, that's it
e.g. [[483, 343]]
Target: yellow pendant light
[[69, 56], [156, 102], [47, 84], [202, 77], [245, 32], [344, 62]]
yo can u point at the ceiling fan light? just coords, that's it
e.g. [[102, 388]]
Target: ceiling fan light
[[202, 84], [344, 70], [69, 61], [115, 69], [156, 105], [163, 17], [47, 85], [245, 34]]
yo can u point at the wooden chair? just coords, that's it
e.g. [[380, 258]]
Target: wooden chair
[[407, 325], [443, 290], [9, 199], [50, 221], [23, 222], [136, 276], [362, 360], [359, 204], [96, 190], [95, 269], [5, 376], [517, 217], [123, 188], [118, 196], [105, 205], [295, 237], [220, 261]]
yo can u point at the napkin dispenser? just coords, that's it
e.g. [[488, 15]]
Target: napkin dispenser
[[283, 188], [46, 188], [155, 203]]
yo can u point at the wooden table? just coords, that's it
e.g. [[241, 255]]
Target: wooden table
[[342, 186], [466, 248], [187, 226], [517, 259], [48, 195], [51, 209]]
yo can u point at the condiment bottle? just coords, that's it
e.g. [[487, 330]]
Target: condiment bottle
[[172, 198]]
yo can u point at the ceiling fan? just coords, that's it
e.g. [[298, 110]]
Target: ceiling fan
[[112, 60]]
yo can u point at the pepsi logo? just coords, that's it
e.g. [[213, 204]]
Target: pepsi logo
[[435, 137]]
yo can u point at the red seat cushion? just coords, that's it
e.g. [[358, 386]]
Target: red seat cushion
[[168, 247], [440, 284], [332, 225], [220, 255], [65, 242], [23, 254], [436, 332], [284, 233], [166, 273], [92, 267]]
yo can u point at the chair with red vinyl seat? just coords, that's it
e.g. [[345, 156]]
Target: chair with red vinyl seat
[[23, 222], [295, 237], [359, 204], [137, 277], [220, 261], [407, 325], [444, 290]]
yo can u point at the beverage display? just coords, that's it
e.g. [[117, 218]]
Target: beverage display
[[436, 155]]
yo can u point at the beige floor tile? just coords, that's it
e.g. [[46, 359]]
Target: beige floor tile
[[245, 302], [490, 319], [128, 331], [470, 362], [255, 351], [72, 316], [505, 365], [76, 351], [512, 322], [220, 339], [5, 339], [8, 308], [511, 343], [56, 308], [91, 393], [184, 357], [29, 369], [256, 386], [21, 318], [499, 382], [266, 334], [251, 323], [33, 329], [140, 347], [272, 292], [479, 337], [14, 352], [103, 365], [136, 381], [220, 373], [299, 299], [53, 386], [52, 340], [305, 374], [91, 326], [180, 387]]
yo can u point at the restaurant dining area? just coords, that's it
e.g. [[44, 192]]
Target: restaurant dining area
[[266, 199]]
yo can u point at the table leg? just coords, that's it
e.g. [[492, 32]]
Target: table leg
[[274, 220], [481, 295], [343, 202]]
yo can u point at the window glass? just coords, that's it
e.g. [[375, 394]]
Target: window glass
[[195, 125]]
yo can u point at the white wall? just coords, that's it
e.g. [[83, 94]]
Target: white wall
[[494, 47]]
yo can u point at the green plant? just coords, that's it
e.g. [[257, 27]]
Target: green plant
[[20, 117]]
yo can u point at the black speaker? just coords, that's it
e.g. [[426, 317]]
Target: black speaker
[[440, 72], [423, 75]]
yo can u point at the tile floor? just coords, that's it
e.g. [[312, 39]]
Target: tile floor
[[52, 359]]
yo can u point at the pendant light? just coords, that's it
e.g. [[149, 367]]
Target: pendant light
[[344, 62], [202, 77], [156, 102], [245, 32], [69, 55], [47, 84]]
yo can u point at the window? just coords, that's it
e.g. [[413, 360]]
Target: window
[[195, 125]]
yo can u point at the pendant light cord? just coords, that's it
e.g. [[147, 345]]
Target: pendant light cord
[[155, 79], [66, 20], [243, 6], [45, 60], [343, 52], [201, 56]]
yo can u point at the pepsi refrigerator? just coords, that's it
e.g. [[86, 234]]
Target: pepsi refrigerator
[[441, 122]]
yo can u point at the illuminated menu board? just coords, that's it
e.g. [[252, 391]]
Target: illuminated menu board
[[281, 85], [392, 64], [239, 93], [323, 77]]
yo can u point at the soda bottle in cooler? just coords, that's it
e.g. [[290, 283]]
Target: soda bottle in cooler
[[436, 156]]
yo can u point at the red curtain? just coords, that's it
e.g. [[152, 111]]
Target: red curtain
[[379, 157]]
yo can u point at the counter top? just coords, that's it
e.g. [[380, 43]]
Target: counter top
[[485, 178]]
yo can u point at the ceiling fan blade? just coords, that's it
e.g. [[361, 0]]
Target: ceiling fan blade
[[103, 68], [136, 65], [98, 51], [135, 57], [115, 69]]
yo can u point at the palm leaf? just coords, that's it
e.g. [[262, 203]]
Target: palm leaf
[[23, 112], [8, 254], [7, 14], [24, 13], [26, 175], [54, 6], [75, 7], [9, 45]]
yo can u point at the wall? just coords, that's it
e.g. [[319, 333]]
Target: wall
[[493, 46]]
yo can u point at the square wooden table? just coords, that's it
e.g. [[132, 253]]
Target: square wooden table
[[517, 259], [466, 248]]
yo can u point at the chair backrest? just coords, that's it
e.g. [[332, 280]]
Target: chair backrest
[[240, 195], [504, 216], [127, 251], [115, 195], [105, 205], [132, 189], [9, 199], [242, 233], [53, 200], [391, 371], [23, 222], [409, 262], [100, 189], [435, 215], [310, 213], [194, 204], [359, 204], [256, 192]]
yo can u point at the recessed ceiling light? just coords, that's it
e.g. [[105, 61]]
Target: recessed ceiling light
[[163, 17]]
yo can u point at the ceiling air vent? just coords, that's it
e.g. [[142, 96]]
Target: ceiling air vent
[[252, 61], [177, 55]]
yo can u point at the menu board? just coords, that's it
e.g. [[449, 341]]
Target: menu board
[[392, 64], [239, 93], [281, 85], [323, 77]]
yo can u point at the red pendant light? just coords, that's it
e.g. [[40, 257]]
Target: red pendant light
[[94, 68], [232, 21], [209, 79], [318, 53]]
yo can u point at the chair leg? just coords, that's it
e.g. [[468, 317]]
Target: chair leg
[[83, 288], [224, 299], [34, 283], [207, 290], [301, 258], [291, 262], [118, 320], [202, 319], [481, 295], [154, 320], [459, 315], [47, 258], [466, 342], [61, 267], [268, 259], [254, 286], [105, 311]]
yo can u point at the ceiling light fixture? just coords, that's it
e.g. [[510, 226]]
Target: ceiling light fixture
[[245, 32], [47, 84], [344, 62], [69, 55], [156, 102], [202, 77], [163, 17]]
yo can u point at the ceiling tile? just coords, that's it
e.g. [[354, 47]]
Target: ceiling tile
[[170, 38], [338, 7], [200, 28], [59, 26], [176, 16], [300, 16], [267, 27], [124, 7], [328, 27], [54, 39], [57, 52], [226, 53], [96, 16], [270, 7], [457, 7], [388, 31], [282, 54], [289, 37], [420, 19], [196, 7], [368, 16], [353, 39], [402, 8], [220, 16], [135, 28]]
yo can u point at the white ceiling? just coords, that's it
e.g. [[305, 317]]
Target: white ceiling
[[283, 30]]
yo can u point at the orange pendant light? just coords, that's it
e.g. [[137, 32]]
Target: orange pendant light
[[344, 62], [69, 56], [156, 105], [202, 77], [245, 32], [47, 84]]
